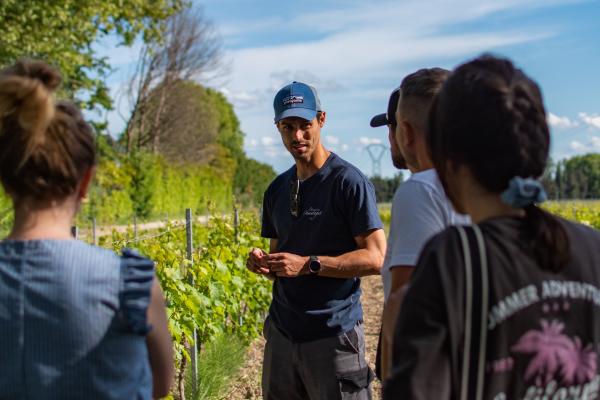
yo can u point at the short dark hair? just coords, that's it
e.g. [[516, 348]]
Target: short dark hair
[[417, 91], [424, 83], [490, 117]]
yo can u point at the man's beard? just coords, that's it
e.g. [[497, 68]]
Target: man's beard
[[399, 161]]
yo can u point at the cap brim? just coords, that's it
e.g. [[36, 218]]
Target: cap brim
[[298, 112], [379, 120]]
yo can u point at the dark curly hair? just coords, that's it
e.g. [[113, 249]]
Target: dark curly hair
[[490, 117]]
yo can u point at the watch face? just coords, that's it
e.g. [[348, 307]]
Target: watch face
[[315, 265]]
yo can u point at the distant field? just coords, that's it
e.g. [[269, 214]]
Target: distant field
[[584, 211]]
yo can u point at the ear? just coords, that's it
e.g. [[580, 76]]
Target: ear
[[409, 137], [323, 118], [84, 185], [411, 133]]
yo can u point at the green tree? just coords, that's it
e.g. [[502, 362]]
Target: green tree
[[230, 135], [199, 126], [187, 128], [386, 187], [548, 179], [63, 33], [558, 180], [251, 177], [251, 180], [581, 176], [107, 147], [188, 51], [143, 183]]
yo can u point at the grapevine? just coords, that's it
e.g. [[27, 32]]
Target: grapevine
[[214, 293], [584, 212]]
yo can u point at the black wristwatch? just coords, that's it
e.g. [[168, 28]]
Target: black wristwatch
[[314, 265]]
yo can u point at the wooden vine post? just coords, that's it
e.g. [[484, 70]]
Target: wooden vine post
[[190, 250]]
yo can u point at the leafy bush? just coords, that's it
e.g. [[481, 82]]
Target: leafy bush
[[6, 216], [144, 173], [214, 293], [251, 180], [149, 187]]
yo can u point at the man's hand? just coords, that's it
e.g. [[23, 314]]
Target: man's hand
[[287, 265], [257, 263]]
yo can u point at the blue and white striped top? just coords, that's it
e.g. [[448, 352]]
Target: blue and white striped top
[[73, 322]]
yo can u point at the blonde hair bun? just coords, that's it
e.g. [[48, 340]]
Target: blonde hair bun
[[26, 100]]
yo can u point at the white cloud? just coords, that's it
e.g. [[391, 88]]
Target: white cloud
[[356, 54], [271, 153], [357, 38], [593, 144], [260, 66], [335, 16], [591, 120], [332, 139], [280, 78], [365, 141], [243, 98], [234, 30], [267, 141], [577, 146], [560, 122]]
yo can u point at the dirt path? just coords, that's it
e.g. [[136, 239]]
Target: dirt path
[[85, 233], [246, 386]]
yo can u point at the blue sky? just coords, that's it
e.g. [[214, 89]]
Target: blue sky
[[356, 52]]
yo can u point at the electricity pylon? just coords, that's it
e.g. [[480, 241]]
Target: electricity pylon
[[376, 152]]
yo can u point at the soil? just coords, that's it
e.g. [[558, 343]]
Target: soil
[[246, 385], [86, 233]]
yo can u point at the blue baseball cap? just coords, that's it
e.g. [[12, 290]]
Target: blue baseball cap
[[296, 100]]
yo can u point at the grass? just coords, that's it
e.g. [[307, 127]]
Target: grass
[[218, 363], [385, 213]]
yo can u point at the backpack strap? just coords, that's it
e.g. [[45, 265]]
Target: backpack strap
[[476, 312]]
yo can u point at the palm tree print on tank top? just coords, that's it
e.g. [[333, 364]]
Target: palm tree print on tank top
[[556, 356]]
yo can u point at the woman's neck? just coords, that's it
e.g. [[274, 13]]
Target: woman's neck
[[52, 221], [476, 201], [483, 206]]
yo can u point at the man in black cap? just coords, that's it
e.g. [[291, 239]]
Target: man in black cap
[[389, 119], [420, 208], [325, 232]]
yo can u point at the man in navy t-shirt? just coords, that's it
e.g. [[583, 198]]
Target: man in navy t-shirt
[[321, 216]]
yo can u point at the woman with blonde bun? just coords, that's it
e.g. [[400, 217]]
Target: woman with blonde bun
[[76, 321]]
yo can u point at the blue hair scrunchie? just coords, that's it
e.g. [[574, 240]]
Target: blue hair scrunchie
[[523, 192]]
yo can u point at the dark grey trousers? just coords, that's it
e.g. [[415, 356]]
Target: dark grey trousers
[[326, 369]]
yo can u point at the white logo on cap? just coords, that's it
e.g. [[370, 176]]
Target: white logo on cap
[[293, 100]]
